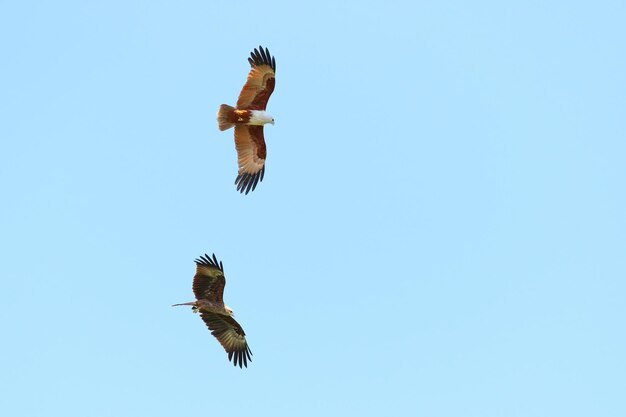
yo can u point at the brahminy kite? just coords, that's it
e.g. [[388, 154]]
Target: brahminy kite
[[208, 287], [248, 118]]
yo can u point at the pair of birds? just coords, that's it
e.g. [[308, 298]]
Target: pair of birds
[[247, 117]]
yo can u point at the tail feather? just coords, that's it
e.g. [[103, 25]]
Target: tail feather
[[189, 303], [224, 117]]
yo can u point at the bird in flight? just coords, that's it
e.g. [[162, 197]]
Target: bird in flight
[[208, 287], [248, 118]]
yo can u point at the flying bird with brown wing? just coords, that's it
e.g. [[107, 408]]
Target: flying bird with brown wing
[[248, 118], [208, 287]]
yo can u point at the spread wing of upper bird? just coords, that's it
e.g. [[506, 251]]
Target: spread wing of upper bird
[[208, 287], [248, 118]]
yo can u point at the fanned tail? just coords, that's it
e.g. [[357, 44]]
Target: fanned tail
[[224, 117]]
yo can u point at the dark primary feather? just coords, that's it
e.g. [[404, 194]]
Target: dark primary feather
[[247, 182], [262, 58], [209, 281], [206, 260], [230, 335]]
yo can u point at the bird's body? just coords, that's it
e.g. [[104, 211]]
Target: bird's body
[[208, 306], [231, 116], [248, 118], [208, 287]]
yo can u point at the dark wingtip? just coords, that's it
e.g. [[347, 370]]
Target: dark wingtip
[[240, 357], [262, 56], [247, 182], [206, 260]]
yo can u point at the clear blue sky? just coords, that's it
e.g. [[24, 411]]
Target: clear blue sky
[[441, 229]]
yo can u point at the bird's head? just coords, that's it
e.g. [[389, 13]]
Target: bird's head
[[260, 117], [267, 118], [229, 311]]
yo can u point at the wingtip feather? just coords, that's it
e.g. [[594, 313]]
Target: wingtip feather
[[262, 56], [206, 260], [246, 182]]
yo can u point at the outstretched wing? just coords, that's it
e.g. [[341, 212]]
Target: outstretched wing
[[209, 281], [261, 81], [230, 335], [251, 155]]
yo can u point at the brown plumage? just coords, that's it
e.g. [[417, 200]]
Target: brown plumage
[[208, 287], [248, 118]]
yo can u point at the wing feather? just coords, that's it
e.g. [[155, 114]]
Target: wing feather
[[261, 81], [251, 154], [230, 335], [209, 281]]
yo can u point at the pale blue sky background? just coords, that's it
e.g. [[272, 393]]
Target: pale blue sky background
[[441, 229]]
